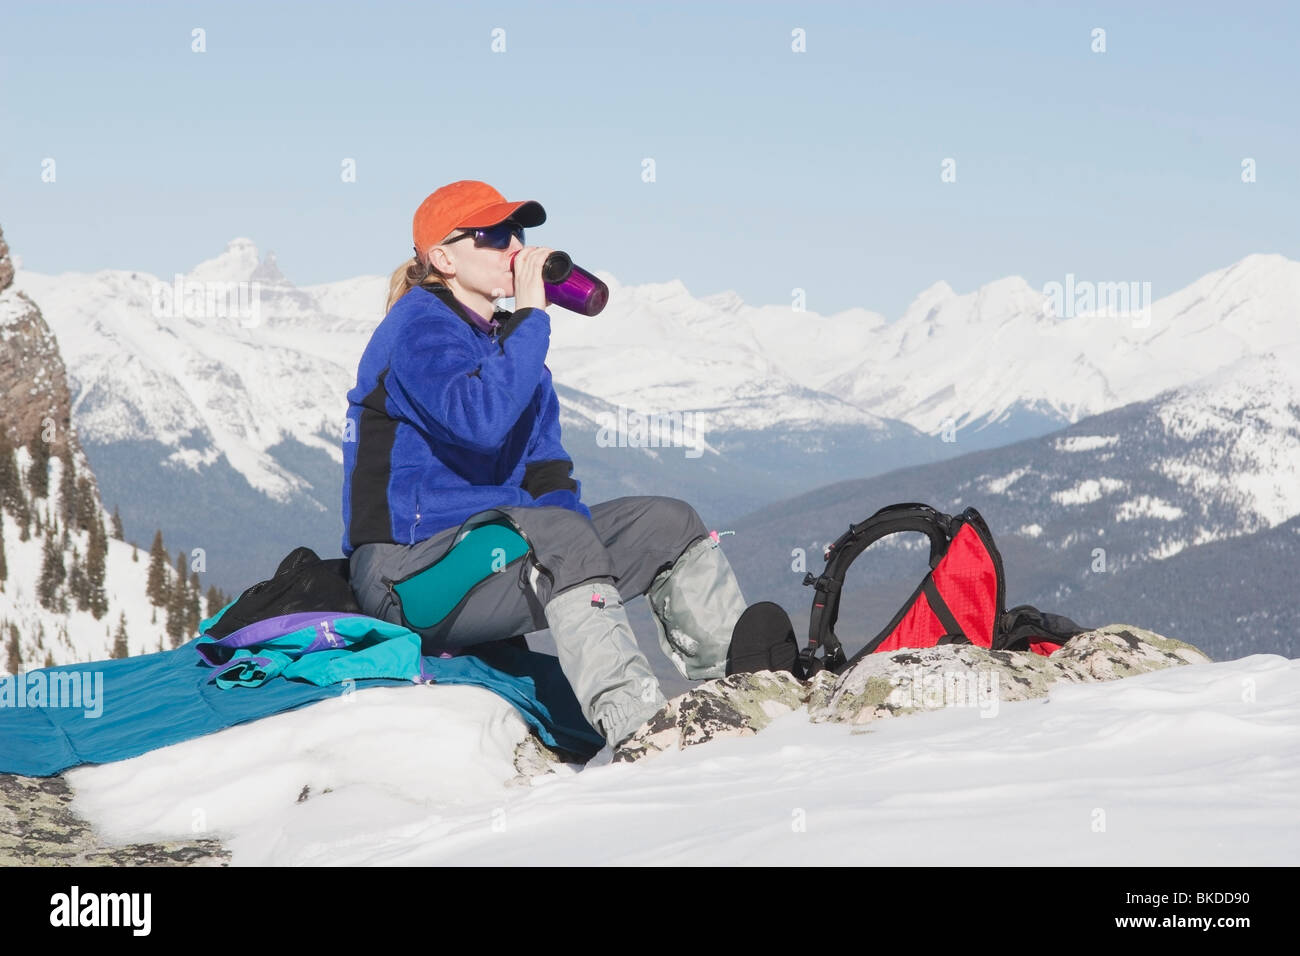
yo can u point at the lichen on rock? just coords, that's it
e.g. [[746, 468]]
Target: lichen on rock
[[900, 682]]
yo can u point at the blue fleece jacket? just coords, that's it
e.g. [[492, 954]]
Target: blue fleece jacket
[[447, 420]]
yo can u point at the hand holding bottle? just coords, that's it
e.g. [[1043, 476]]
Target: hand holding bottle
[[563, 283], [530, 289]]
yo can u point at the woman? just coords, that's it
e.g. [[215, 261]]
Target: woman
[[454, 413]]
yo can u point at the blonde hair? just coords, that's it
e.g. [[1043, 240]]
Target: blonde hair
[[410, 274]]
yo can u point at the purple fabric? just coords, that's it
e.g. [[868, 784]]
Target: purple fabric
[[221, 651], [257, 659], [487, 325]]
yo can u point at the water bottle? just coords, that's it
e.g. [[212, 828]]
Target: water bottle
[[570, 286]]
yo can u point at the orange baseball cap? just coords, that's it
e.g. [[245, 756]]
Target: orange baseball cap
[[468, 204]]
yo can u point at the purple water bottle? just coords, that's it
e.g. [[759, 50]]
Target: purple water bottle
[[570, 286]]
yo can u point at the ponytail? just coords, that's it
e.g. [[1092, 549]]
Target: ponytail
[[407, 276]]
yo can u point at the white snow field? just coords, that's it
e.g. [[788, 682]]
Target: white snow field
[[1196, 765]]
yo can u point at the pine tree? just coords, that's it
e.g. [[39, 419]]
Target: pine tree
[[4, 564], [49, 659], [68, 505], [193, 607], [156, 588], [214, 601], [77, 589], [120, 649], [10, 483], [38, 473], [86, 510], [12, 495], [24, 517], [15, 663], [52, 575], [117, 524], [135, 554], [96, 557], [178, 606]]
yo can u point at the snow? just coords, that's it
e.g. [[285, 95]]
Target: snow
[[996, 486], [13, 307], [1031, 530], [1090, 489], [1192, 765], [1166, 549], [76, 636], [1147, 506], [1084, 442], [1075, 366]]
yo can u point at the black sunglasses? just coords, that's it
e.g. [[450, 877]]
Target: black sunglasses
[[493, 237]]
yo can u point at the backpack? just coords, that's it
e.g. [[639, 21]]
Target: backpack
[[961, 600], [302, 582]]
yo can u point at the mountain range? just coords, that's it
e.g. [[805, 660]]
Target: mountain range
[[1150, 433]]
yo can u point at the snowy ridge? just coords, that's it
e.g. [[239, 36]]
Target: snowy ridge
[[1152, 751], [212, 387], [1002, 347], [1250, 410]]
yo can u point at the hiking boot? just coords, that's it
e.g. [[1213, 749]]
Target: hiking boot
[[696, 605]]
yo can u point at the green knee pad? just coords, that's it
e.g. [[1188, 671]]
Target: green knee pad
[[427, 596]]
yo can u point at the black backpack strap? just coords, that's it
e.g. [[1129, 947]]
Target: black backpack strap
[[1025, 624], [908, 516]]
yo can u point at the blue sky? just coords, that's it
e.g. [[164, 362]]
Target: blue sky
[[774, 170]]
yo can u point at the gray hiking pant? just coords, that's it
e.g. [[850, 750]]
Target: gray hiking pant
[[645, 544]]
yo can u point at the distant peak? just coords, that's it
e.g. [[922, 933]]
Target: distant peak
[[937, 292], [1008, 286], [925, 305], [237, 263], [728, 301], [268, 271]]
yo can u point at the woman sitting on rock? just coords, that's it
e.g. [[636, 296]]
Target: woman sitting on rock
[[454, 413]]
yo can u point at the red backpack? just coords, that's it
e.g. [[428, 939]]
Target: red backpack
[[960, 601]]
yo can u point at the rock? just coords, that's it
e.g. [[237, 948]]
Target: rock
[[534, 759], [38, 828], [908, 680], [6, 266], [37, 404], [918, 679], [735, 706], [901, 682], [1122, 650]]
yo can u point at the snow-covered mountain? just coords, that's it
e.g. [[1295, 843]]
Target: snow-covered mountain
[[1079, 512], [213, 423], [70, 588], [984, 357]]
